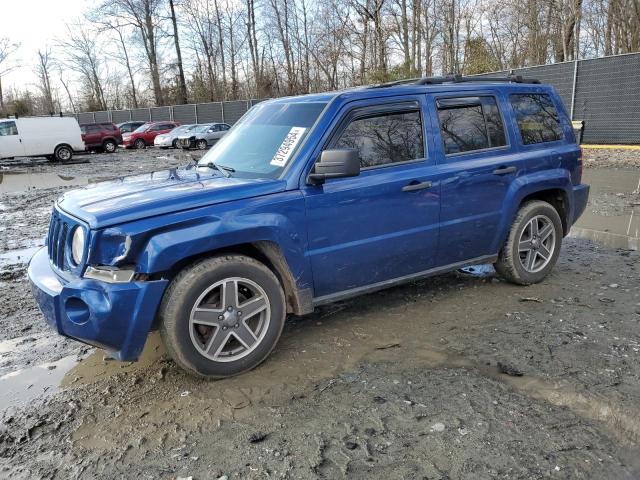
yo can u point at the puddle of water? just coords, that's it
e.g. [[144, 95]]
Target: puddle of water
[[20, 387], [619, 230], [21, 182], [16, 257], [480, 271]]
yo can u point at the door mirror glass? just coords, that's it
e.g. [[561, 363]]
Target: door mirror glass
[[338, 163]]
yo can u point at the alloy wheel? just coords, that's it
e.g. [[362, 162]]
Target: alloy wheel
[[537, 243], [229, 319]]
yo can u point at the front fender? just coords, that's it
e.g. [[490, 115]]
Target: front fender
[[525, 185], [276, 218]]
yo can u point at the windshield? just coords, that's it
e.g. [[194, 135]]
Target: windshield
[[261, 144], [183, 128], [141, 128], [201, 128]]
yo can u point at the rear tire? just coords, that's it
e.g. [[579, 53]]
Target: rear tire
[[109, 146], [62, 153], [533, 245], [140, 144], [222, 316]]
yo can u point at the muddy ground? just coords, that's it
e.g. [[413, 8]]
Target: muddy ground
[[459, 376]]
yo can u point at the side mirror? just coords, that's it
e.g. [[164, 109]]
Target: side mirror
[[336, 164]]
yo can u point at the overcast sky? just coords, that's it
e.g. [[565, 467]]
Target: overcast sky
[[34, 24]]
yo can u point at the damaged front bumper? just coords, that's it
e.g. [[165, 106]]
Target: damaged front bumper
[[113, 316]]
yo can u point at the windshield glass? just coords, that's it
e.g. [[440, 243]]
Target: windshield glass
[[182, 129], [261, 144], [141, 128], [201, 128]]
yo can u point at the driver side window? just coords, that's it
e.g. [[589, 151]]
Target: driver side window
[[385, 138], [8, 129]]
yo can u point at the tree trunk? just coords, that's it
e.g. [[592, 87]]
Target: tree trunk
[[221, 46], [149, 32], [182, 84], [134, 93]]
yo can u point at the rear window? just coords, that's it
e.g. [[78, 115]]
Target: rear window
[[537, 118], [470, 123]]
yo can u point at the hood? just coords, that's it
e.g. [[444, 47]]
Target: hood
[[131, 198]]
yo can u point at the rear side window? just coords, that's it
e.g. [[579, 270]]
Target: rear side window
[[470, 123], [384, 139], [537, 118], [8, 128]]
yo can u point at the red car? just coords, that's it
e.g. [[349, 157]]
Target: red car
[[101, 137], [145, 134]]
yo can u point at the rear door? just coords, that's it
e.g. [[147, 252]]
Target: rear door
[[10, 141], [92, 135], [216, 133], [383, 224], [474, 149]]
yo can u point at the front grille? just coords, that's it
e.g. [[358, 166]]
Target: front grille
[[57, 240]]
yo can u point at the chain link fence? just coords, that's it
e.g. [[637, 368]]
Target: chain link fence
[[222, 112], [604, 92]]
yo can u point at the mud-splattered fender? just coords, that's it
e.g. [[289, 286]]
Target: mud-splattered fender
[[525, 185]]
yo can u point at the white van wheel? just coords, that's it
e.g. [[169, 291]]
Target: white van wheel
[[63, 153]]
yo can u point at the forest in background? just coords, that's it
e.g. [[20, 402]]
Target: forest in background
[[142, 53]]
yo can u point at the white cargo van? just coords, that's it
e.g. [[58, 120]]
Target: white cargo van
[[55, 138]]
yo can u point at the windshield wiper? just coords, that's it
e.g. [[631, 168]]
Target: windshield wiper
[[213, 166], [225, 167]]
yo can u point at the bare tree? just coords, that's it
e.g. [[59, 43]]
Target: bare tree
[[7, 49], [182, 84], [43, 69], [81, 56], [144, 16]]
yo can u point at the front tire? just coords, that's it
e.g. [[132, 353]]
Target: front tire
[[222, 316], [140, 144], [533, 245], [201, 144]]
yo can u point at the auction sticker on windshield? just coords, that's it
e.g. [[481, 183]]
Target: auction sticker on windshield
[[289, 144]]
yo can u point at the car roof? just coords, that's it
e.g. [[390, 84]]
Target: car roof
[[393, 89]]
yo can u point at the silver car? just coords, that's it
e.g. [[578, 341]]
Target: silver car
[[170, 139], [203, 136]]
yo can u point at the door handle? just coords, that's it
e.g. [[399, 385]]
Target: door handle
[[504, 170], [412, 187]]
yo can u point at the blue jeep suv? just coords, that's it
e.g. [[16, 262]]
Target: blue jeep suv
[[308, 200]]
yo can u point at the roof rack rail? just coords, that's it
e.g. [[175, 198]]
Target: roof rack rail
[[457, 78], [451, 78]]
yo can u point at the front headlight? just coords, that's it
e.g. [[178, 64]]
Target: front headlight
[[77, 245]]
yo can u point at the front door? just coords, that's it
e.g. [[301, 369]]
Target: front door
[[383, 224], [10, 141], [478, 166]]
